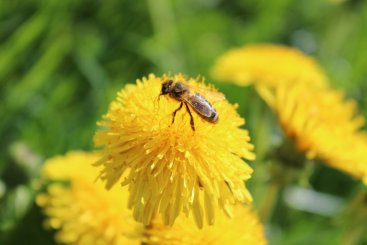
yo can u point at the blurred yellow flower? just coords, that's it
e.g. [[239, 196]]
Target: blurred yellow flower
[[322, 124], [318, 119], [81, 210], [169, 168], [268, 64], [244, 228]]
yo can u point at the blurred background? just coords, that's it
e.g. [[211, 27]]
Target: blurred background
[[61, 62]]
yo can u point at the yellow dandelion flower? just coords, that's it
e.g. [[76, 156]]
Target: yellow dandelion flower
[[82, 211], [168, 167], [244, 228], [269, 65], [322, 124]]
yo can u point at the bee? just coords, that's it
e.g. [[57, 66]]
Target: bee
[[183, 93]]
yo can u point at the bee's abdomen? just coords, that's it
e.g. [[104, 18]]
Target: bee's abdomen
[[203, 108]]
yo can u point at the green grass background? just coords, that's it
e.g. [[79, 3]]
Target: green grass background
[[61, 62]]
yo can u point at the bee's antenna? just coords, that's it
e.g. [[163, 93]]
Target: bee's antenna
[[157, 104]]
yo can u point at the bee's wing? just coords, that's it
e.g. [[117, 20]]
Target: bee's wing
[[200, 105], [210, 94]]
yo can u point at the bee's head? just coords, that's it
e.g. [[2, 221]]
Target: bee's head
[[166, 87]]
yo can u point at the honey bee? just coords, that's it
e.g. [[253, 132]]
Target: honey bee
[[183, 93]]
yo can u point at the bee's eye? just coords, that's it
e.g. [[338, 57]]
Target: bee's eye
[[166, 86]]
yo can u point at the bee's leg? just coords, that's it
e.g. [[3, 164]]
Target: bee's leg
[[191, 118], [159, 97], [174, 113]]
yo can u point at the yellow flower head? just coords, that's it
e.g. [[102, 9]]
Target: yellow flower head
[[323, 125], [168, 167], [81, 210], [243, 228], [269, 65]]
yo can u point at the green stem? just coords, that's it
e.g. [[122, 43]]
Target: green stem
[[268, 203], [287, 165], [355, 217], [169, 54]]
